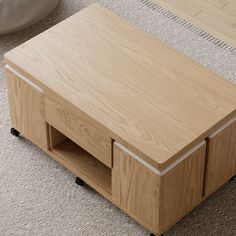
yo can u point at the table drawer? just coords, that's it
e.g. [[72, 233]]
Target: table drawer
[[79, 128]]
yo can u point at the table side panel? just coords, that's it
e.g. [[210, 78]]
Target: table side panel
[[181, 189], [27, 110], [135, 188], [158, 201], [221, 159]]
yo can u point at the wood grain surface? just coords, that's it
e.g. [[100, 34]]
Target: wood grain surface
[[27, 110], [136, 189], [217, 17], [157, 201], [80, 130], [181, 189], [221, 159], [147, 96], [81, 163]]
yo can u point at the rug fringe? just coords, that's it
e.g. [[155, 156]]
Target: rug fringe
[[188, 25]]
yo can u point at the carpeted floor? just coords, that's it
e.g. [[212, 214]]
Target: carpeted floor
[[39, 197]]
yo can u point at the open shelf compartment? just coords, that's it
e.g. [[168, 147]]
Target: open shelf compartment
[[80, 162]]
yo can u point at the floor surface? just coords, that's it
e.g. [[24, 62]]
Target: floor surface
[[217, 17]]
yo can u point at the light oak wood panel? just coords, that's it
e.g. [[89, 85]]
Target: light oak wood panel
[[213, 12], [181, 189], [157, 201], [136, 188], [218, 3], [185, 6], [80, 130], [220, 13], [81, 163], [55, 137], [230, 9], [216, 24], [27, 110], [181, 102], [232, 2], [221, 159]]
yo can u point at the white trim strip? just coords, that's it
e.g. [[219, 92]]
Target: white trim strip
[[24, 78], [168, 168], [222, 127]]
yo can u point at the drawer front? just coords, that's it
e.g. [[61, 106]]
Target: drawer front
[[221, 159], [80, 129]]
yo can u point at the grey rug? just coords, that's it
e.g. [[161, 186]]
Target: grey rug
[[39, 197]]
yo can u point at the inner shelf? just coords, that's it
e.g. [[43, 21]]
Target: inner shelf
[[80, 162]]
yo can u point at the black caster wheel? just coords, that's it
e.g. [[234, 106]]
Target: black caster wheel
[[79, 181], [233, 178], [15, 132]]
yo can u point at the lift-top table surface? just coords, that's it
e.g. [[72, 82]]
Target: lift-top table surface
[[146, 94]]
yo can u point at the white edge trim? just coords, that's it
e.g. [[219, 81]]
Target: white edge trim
[[24, 78], [222, 127], [168, 168]]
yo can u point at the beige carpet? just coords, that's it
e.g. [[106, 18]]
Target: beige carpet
[[39, 197]]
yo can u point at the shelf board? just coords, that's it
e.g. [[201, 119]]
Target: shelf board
[[84, 165]]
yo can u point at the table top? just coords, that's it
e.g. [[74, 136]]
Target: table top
[[152, 98]]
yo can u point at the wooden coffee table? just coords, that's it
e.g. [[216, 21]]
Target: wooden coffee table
[[148, 128]]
